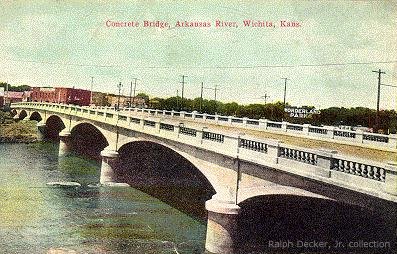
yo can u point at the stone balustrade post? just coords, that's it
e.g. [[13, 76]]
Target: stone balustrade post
[[216, 118], [391, 178], [330, 131], [108, 166], [305, 130], [245, 121], [65, 143], [325, 162], [182, 114], [229, 120], [176, 131], [199, 136], [284, 126], [359, 136], [157, 125], [142, 123], [263, 124], [393, 140], [222, 228], [193, 115], [273, 150], [172, 113], [41, 129]]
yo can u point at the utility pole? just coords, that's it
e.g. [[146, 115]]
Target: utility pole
[[201, 97], [132, 96], [92, 85], [183, 88], [380, 72], [378, 98], [265, 97], [285, 89], [216, 105], [177, 98], [118, 99]]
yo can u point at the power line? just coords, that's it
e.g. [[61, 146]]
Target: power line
[[207, 67]]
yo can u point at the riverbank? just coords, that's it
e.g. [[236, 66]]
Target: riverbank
[[18, 132]]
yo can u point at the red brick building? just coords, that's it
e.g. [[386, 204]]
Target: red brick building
[[61, 95], [11, 97]]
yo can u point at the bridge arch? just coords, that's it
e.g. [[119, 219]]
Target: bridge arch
[[265, 220], [14, 112], [35, 116], [88, 140], [22, 114], [166, 174], [54, 125]]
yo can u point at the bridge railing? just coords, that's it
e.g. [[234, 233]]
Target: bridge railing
[[318, 164], [317, 132]]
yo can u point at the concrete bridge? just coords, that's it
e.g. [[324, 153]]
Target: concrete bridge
[[241, 176]]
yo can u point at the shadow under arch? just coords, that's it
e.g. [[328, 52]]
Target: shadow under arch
[[35, 116], [165, 174], [88, 140], [54, 125], [22, 114], [284, 223], [14, 112]]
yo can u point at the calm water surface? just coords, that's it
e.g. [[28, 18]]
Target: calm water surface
[[36, 218]]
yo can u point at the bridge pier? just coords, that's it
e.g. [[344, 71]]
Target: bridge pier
[[222, 231], [41, 131], [64, 143], [109, 163]]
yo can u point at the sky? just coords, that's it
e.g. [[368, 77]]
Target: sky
[[328, 60]]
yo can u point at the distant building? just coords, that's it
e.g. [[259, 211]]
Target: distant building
[[61, 95], [26, 96], [105, 99], [11, 97], [7, 97]]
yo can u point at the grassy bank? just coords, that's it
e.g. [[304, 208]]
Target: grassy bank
[[16, 132]]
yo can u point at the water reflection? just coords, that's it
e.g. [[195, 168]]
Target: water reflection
[[36, 218]]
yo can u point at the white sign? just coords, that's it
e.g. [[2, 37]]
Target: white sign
[[301, 112]]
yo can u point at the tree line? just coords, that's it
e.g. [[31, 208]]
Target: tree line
[[12, 88], [334, 116]]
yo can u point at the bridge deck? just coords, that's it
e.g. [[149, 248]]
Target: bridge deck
[[371, 153]]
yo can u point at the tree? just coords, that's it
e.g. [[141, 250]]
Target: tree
[[143, 96], [20, 88]]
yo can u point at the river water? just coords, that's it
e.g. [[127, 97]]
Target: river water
[[37, 218]]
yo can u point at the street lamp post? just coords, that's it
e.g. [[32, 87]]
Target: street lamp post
[[118, 99]]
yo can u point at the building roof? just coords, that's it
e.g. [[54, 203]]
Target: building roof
[[14, 95]]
